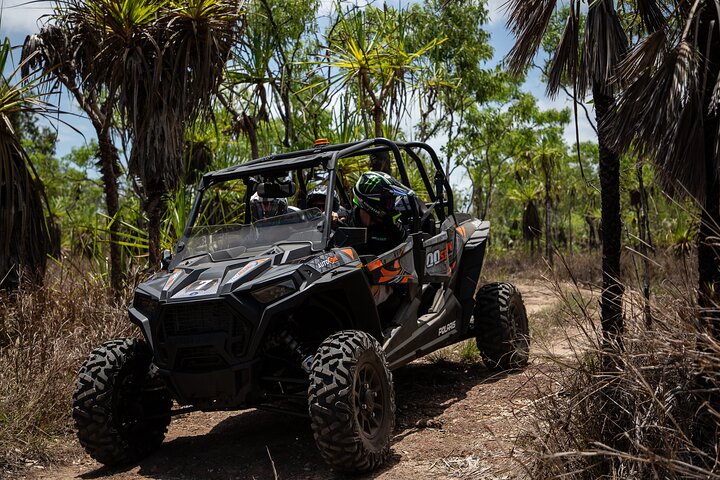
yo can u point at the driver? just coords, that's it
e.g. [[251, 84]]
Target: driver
[[316, 199], [262, 207], [374, 196]]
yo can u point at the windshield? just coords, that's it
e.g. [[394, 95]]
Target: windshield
[[298, 226]]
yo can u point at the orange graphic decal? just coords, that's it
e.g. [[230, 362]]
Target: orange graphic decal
[[391, 270], [374, 265]]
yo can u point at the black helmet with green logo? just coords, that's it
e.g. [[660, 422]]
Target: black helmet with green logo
[[376, 192]]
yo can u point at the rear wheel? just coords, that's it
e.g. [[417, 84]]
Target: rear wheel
[[501, 326], [352, 402], [121, 409]]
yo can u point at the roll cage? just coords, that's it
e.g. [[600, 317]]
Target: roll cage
[[438, 190]]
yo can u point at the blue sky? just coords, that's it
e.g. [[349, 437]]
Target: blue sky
[[20, 18]]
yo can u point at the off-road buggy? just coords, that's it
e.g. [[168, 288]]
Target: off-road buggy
[[279, 313]]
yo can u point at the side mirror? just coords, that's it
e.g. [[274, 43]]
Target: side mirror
[[166, 259], [349, 236]]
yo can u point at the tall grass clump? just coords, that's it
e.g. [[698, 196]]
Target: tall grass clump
[[45, 334], [649, 410]]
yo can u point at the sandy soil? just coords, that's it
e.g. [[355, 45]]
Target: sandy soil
[[455, 419]]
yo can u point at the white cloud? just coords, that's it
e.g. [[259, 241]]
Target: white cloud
[[496, 8], [20, 17]]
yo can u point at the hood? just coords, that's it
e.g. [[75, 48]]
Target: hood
[[211, 275]]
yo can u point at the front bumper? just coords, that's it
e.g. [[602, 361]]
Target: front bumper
[[202, 350], [217, 389]]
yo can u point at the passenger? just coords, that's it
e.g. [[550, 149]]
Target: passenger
[[374, 196]]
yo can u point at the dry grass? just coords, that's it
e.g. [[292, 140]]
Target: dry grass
[[650, 411], [654, 416], [667, 270], [45, 334]]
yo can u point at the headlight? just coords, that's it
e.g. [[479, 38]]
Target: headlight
[[273, 292], [171, 280], [199, 288], [247, 268], [144, 304]]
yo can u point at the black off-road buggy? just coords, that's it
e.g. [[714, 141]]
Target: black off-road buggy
[[280, 313]]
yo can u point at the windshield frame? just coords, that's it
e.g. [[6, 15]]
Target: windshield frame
[[328, 157]]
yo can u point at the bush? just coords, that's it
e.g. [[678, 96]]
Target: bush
[[650, 411], [45, 334]]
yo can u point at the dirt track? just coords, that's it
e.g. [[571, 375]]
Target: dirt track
[[455, 419]]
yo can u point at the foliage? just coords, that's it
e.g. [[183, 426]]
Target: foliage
[[45, 333], [27, 230], [652, 418]]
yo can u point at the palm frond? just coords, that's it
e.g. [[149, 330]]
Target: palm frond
[[604, 46], [643, 58], [27, 232], [660, 115], [527, 20], [651, 15], [564, 64], [681, 161]]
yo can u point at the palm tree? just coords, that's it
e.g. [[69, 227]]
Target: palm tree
[[26, 224], [546, 158], [158, 64], [368, 53], [59, 51], [589, 65], [526, 194], [668, 113]]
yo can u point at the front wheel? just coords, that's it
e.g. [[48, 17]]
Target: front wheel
[[352, 402], [121, 409], [501, 326]]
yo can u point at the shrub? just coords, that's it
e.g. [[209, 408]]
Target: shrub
[[45, 334]]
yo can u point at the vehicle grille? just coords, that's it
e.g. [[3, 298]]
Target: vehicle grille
[[199, 319], [178, 322]]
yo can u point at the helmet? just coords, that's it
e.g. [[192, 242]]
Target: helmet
[[261, 207], [318, 194], [376, 193]]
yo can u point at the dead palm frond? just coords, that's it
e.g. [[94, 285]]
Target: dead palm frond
[[605, 44], [528, 21], [652, 15], [565, 62], [643, 58], [660, 113], [26, 225]]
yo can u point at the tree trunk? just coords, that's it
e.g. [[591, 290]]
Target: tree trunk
[[548, 227], [109, 167], [570, 229], [612, 292], [645, 243], [380, 162], [154, 208], [708, 251], [251, 131]]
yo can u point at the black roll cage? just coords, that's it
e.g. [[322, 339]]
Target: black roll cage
[[440, 193]]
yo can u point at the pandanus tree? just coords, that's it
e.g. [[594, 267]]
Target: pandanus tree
[[157, 65], [369, 53], [588, 65], [26, 224], [527, 193], [668, 112], [60, 51]]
